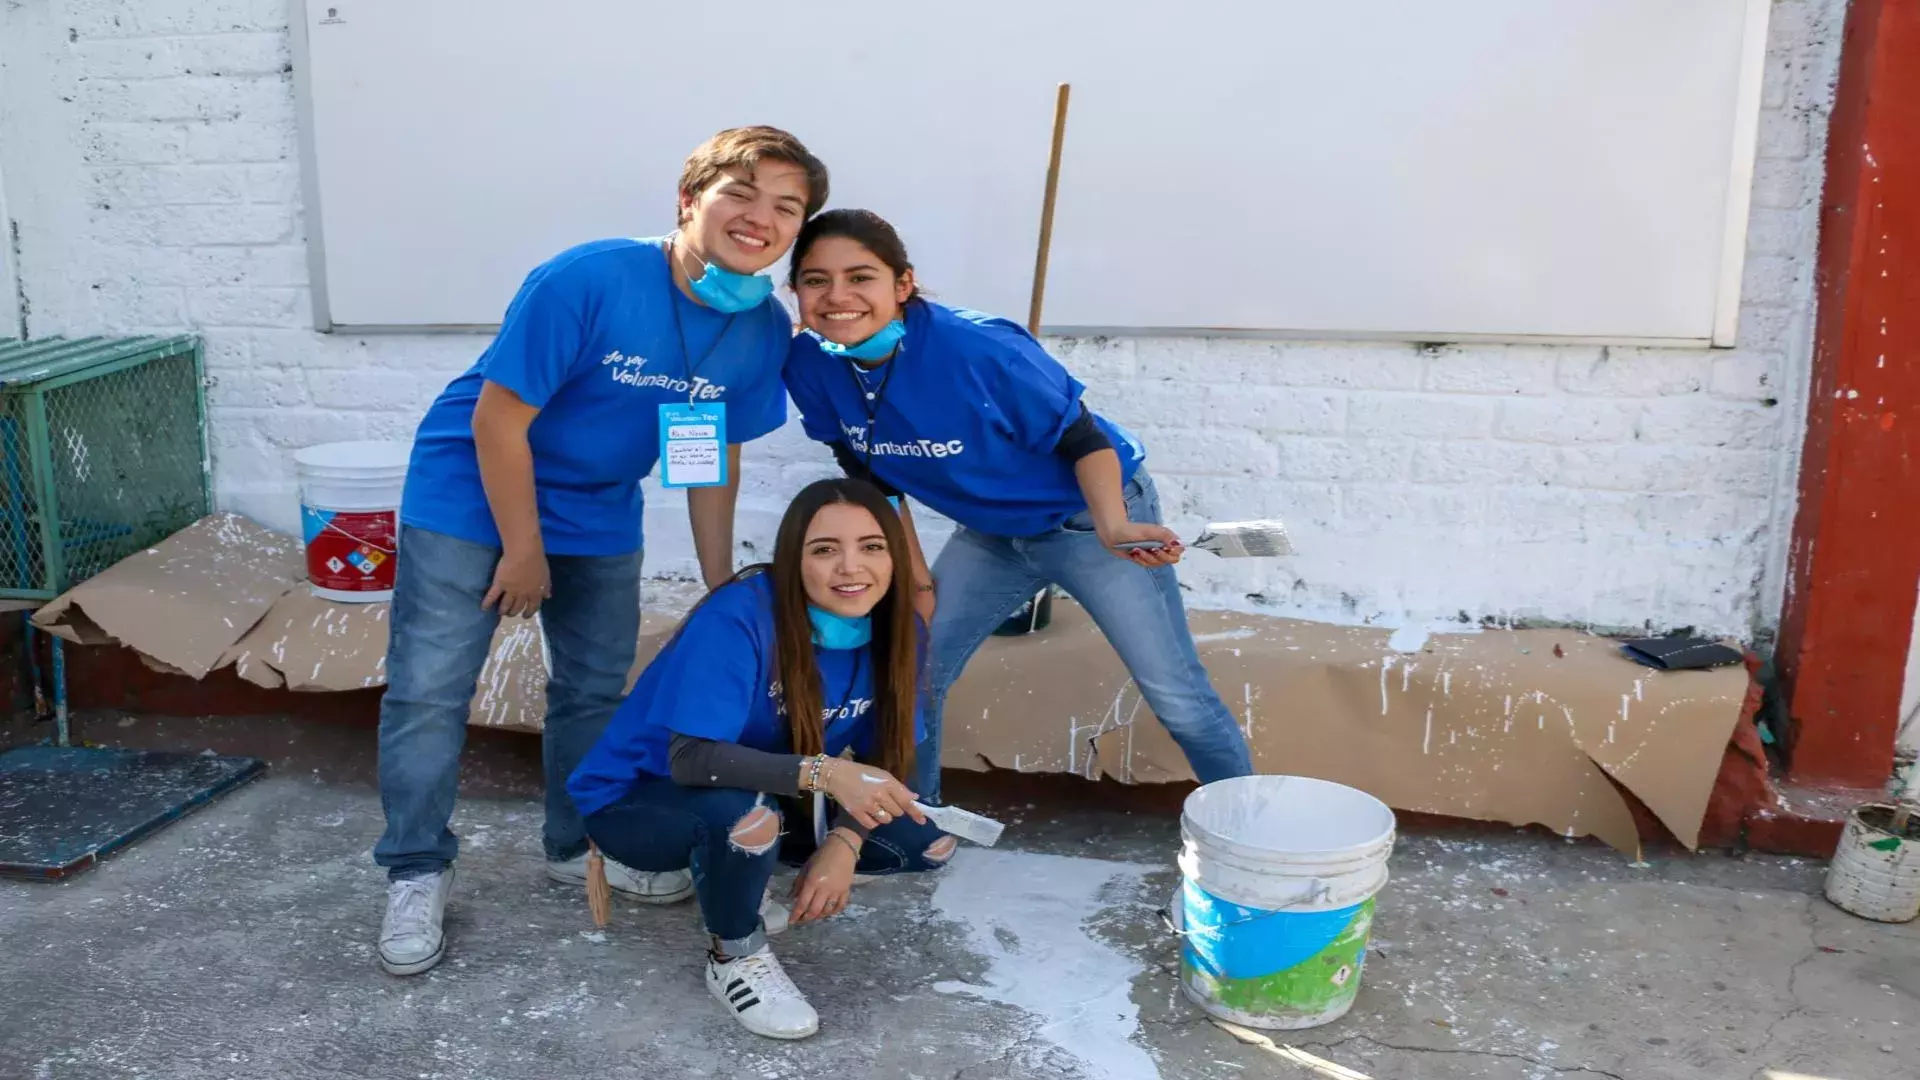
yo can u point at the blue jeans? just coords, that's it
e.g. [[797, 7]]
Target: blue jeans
[[984, 579], [660, 826], [440, 639]]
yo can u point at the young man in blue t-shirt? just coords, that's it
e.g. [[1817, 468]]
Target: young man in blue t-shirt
[[523, 497]]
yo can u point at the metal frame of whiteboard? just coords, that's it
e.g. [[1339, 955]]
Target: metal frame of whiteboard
[[1048, 330], [309, 174], [1726, 313], [1746, 145]]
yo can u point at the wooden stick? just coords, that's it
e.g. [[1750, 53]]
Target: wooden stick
[[1046, 211], [599, 893]]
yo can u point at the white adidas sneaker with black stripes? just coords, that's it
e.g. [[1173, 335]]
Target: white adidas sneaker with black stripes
[[757, 991]]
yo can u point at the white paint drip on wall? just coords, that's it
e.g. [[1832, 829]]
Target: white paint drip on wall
[[1025, 915], [1408, 639]]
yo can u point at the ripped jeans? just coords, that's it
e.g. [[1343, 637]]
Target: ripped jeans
[[659, 826]]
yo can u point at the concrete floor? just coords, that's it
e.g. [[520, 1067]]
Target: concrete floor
[[239, 943]]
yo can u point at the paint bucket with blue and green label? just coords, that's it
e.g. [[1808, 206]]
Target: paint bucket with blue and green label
[[1276, 899]]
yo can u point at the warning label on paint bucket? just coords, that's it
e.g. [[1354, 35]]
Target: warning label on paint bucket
[[349, 551]]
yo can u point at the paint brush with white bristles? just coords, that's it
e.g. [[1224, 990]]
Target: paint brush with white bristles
[[964, 824], [1245, 539]]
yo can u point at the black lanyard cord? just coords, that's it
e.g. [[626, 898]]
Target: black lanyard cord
[[680, 330], [871, 400]]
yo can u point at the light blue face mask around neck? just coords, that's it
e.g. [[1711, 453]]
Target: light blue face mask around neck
[[726, 291], [877, 347], [832, 631]]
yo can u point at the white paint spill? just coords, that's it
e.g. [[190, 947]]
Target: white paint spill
[[1386, 665], [1241, 634], [1426, 741], [1024, 915]]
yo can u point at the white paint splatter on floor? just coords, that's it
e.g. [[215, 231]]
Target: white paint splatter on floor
[[1026, 915]]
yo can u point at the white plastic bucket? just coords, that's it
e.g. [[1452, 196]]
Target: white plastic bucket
[[350, 517], [1875, 874], [1276, 898]]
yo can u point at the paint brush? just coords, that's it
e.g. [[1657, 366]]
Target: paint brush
[[1245, 539], [964, 824]]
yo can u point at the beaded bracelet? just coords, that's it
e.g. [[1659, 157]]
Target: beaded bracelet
[[813, 777]]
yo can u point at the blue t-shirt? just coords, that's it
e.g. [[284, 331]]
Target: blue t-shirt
[[965, 419], [592, 341], [716, 680]]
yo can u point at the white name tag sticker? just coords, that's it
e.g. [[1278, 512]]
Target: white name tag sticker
[[693, 445]]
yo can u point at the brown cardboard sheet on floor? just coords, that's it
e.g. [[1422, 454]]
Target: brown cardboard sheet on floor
[[1494, 725]]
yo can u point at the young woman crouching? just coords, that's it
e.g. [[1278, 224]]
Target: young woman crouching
[[724, 755]]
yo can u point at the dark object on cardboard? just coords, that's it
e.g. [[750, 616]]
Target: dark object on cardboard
[[1680, 653], [64, 808]]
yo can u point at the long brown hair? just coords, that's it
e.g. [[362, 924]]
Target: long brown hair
[[895, 649]]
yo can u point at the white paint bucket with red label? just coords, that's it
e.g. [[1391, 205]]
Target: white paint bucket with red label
[[350, 517]]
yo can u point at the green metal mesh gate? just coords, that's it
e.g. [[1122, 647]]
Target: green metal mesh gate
[[102, 453]]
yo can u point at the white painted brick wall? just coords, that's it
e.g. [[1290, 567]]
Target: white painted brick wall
[[148, 156]]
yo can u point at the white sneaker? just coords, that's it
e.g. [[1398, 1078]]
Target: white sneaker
[[665, 887], [756, 990], [411, 940]]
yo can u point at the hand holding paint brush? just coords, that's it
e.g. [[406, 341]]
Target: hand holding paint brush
[[1232, 540], [872, 795]]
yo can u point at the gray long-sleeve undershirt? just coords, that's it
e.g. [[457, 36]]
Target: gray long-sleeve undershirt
[[696, 762]]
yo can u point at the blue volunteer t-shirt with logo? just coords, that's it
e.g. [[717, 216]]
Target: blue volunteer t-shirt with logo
[[716, 680], [965, 419], [592, 341]]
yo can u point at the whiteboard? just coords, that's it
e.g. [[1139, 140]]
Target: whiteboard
[[1483, 169]]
